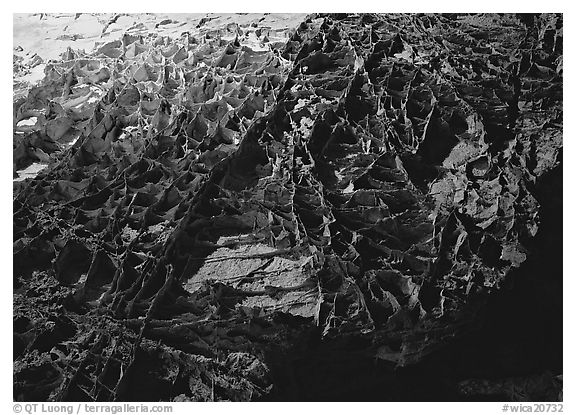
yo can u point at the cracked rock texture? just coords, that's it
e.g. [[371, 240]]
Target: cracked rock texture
[[343, 213]]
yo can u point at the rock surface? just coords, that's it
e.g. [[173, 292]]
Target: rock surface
[[228, 217]]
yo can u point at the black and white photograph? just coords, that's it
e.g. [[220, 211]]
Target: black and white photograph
[[287, 207]]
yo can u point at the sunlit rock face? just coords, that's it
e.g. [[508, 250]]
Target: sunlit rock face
[[211, 202]]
